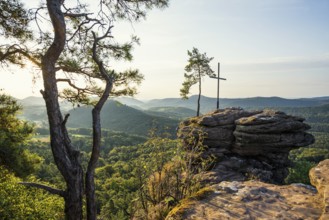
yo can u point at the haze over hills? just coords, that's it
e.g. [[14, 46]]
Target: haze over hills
[[118, 117], [114, 116], [138, 117], [209, 104]]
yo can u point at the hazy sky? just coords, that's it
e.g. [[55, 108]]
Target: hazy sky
[[266, 48]]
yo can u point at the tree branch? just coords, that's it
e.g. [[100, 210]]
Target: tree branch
[[65, 119], [84, 90], [76, 15], [16, 49], [44, 187]]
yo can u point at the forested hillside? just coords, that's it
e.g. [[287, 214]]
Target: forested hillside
[[129, 157]]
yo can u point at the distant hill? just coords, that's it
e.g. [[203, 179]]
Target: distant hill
[[264, 102], [32, 101], [137, 117], [118, 117], [209, 104], [172, 112], [34, 109], [132, 102], [315, 114]]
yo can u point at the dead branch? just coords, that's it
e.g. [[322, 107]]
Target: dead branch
[[44, 187]]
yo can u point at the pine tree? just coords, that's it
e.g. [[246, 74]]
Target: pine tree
[[196, 69]]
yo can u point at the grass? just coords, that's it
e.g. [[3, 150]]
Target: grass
[[177, 213]]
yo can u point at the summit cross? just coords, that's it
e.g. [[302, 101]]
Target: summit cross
[[218, 79]]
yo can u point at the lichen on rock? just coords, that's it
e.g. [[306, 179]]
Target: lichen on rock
[[261, 140], [252, 150], [251, 200]]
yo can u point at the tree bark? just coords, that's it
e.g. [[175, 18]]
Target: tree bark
[[199, 97], [90, 174], [65, 156]]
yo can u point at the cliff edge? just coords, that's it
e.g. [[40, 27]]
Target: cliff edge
[[251, 152]]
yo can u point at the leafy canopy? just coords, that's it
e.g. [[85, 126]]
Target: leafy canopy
[[18, 202], [197, 67], [13, 133]]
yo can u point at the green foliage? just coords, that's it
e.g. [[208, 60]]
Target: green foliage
[[13, 133], [127, 170], [133, 10], [172, 112], [14, 19], [299, 172], [19, 202], [171, 180], [118, 117], [197, 67], [313, 154]]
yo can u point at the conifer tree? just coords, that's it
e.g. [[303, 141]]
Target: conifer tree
[[78, 44], [197, 67]]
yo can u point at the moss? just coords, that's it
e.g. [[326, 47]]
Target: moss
[[202, 194], [180, 210], [247, 120]]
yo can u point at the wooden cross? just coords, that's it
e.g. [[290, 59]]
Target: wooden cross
[[218, 79]]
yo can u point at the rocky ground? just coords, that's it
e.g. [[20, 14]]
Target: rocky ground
[[257, 200], [251, 151]]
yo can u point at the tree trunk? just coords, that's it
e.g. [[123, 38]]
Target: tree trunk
[[90, 182], [65, 156], [199, 97]]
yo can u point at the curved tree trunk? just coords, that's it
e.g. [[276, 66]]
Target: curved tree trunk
[[65, 156], [90, 182]]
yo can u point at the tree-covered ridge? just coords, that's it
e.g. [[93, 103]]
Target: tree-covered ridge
[[122, 118], [18, 202], [137, 178], [129, 168], [13, 134]]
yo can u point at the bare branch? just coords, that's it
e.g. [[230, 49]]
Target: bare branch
[[66, 117], [74, 15], [16, 49], [44, 187], [85, 90]]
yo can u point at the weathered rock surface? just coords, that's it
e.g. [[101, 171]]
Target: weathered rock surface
[[258, 200], [250, 200], [248, 144], [252, 150], [270, 131], [319, 177]]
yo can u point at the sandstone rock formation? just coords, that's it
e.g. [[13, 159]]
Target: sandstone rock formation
[[257, 200], [319, 177], [250, 200], [248, 145]]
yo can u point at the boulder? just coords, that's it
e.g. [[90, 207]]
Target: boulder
[[265, 136], [222, 117], [319, 177], [270, 131], [251, 151], [250, 200]]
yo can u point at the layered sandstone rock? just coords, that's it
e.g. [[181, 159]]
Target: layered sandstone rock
[[319, 177], [247, 144], [253, 145], [250, 200], [258, 200]]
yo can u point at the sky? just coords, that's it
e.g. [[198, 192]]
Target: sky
[[265, 48]]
